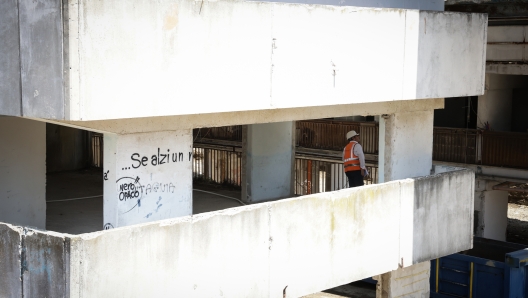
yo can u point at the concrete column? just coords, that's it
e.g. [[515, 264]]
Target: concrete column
[[406, 282], [405, 145], [268, 155], [405, 151], [23, 172], [491, 211], [147, 177]]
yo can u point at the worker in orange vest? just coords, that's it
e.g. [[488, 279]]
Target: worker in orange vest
[[354, 160]]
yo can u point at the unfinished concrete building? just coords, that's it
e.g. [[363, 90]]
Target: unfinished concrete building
[[146, 73]]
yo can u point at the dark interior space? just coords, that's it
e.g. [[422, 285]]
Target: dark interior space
[[519, 109], [67, 149], [458, 112]]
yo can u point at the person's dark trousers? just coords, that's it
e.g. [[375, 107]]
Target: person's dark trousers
[[354, 178]]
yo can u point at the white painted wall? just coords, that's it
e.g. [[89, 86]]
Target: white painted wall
[[187, 54], [147, 177], [406, 145], [23, 172], [307, 243], [268, 161]]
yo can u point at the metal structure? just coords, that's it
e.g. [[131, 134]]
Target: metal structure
[[330, 135], [491, 269], [96, 150], [222, 164]]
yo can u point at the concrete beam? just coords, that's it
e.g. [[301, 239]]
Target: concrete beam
[[303, 244], [498, 174], [311, 60], [151, 124]]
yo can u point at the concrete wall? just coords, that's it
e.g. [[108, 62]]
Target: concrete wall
[[10, 96], [307, 243], [31, 63], [406, 145], [66, 148], [491, 210], [147, 177], [278, 62], [407, 4], [446, 48], [268, 161], [23, 171]]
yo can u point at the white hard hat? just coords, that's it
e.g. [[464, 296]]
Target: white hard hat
[[351, 134]]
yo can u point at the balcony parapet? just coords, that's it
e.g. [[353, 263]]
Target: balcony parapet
[[307, 243]]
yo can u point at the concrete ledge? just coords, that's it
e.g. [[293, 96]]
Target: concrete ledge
[[307, 243]]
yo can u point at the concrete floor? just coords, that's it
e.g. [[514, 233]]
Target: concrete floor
[[75, 206]]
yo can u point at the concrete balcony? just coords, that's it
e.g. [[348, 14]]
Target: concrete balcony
[[299, 245], [86, 61]]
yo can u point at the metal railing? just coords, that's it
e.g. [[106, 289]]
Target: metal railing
[[96, 150], [505, 149], [218, 165], [471, 146], [312, 175], [331, 135], [455, 145], [315, 175]]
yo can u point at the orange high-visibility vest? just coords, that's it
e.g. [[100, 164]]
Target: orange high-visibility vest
[[351, 161]]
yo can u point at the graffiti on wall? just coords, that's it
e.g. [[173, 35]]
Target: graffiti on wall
[[157, 159]]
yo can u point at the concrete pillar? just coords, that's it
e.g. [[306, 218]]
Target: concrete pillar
[[405, 145], [147, 177], [491, 211], [405, 151], [268, 155], [23, 172], [408, 282]]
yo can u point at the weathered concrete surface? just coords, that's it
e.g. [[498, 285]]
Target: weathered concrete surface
[[75, 58], [151, 124], [443, 215], [23, 171], [41, 55], [406, 145], [409, 282], [307, 243], [45, 261], [269, 56], [147, 177], [456, 46], [10, 96], [10, 265], [406, 4], [268, 155]]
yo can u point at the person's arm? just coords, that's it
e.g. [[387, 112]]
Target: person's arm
[[358, 151]]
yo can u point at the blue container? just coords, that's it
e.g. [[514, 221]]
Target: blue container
[[492, 269]]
